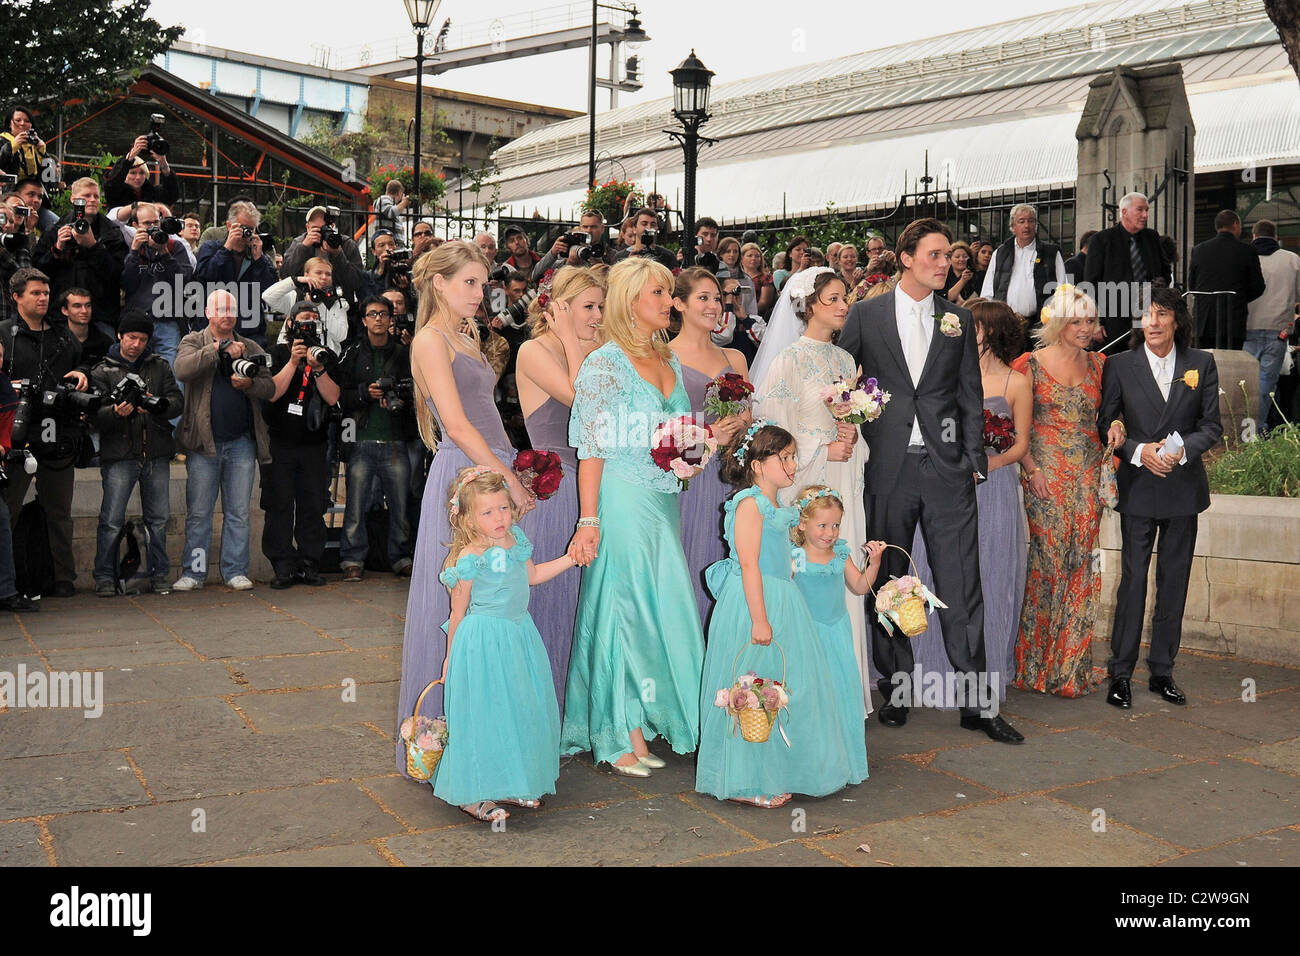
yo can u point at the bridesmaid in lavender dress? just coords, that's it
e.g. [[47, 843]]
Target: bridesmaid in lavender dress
[[566, 317], [1004, 539], [453, 384], [697, 305]]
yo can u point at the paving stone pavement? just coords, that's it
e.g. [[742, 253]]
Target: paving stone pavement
[[255, 729]]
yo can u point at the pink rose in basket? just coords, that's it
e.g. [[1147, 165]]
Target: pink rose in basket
[[408, 727], [771, 698], [723, 698], [742, 699], [425, 741], [746, 680]]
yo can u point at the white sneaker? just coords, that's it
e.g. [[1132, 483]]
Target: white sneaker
[[240, 582], [187, 583]]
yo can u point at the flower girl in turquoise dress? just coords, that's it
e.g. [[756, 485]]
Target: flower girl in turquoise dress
[[503, 720], [823, 568], [759, 604]]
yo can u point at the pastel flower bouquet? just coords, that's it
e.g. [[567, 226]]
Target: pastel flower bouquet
[[855, 402], [902, 602], [539, 471], [728, 394], [754, 702], [681, 446]]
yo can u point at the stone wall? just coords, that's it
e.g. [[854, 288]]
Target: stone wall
[[1244, 595]]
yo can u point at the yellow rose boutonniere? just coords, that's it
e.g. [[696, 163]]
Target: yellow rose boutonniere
[[1191, 379]]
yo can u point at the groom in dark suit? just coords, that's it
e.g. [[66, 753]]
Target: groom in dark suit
[[1151, 397], [927, 453]]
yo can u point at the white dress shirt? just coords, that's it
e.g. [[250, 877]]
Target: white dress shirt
[[1162, 370], [1021, 294], [906, 311]]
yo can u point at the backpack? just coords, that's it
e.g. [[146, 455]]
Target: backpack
[[131, 554], [33, 566]]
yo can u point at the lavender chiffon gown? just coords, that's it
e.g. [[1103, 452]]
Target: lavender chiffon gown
[[428, 603], [554, 604], [702, 503], [1004, 545]]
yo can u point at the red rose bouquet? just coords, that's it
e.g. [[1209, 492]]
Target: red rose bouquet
[[540, 472], [682, 445], [728, 394], [999, 432]]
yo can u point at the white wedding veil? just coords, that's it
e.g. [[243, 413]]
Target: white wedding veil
[[783, 330]]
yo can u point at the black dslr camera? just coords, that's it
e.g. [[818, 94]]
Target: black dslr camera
[[398, 392], [154, 141], [404, 323], [595, 251], [308, 332], [34, 401], [329, 233], [245, 367], [499, 274], [167, 226], [399, 261], [80, 224], [134, 391]]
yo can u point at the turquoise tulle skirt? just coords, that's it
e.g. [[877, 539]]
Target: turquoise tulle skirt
[[638, 647], [502, 717], [827, 749]]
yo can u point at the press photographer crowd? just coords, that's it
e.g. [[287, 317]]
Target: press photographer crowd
[[132, 338]]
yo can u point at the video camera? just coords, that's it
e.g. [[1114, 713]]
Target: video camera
[[398, 392], [134, 391], [329, 233], [80, 224], [154, 141], [167, 226], [246, 367]]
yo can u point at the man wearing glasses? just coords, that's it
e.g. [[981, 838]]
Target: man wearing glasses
[[1024, 271], [422, 239]]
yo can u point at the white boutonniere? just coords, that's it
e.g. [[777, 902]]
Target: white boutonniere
[[949, 324]]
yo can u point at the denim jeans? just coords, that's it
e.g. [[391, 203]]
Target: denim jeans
[[386, 465], [8, 579], [166, 340], [231, 471], [1270, 350], [154, 477]]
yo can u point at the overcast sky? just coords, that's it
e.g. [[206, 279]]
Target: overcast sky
[[735, 40]]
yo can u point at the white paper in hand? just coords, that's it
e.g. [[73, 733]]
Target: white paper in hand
[[1173, 447]]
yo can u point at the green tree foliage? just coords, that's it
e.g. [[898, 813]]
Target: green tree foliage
[[65, 50]]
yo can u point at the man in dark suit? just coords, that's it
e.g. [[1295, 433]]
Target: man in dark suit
[[927, 453], [1147, 395], [1123, 261], [1224, 264]]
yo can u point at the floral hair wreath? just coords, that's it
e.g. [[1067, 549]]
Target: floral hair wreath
[[544, 289], [478, 471], [801, 286], [808, 499], [743, 448]]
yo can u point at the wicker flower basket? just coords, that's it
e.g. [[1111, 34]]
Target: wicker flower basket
[[756, 725], [910, 617], [421, 764]]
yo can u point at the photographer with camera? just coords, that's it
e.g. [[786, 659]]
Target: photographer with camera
[[294, 482], [644, 241], [706, 245], [86, 250], [240, 259], [158, 256], [128, 180], [322, 238], [392, 266], [44, 357], [316, 285], [15, 247], [22, 151], [584, 246], [135, 447], [389, 205], [224, 437], [10, 599], [377, 396]]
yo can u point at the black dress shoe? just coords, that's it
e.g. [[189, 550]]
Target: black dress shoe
[[18, 602], [310, 577], [892, 716], [282, 581], [1166, 688], [1120, 693], [997, 728]]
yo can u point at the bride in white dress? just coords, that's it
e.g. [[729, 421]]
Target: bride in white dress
[[796, 361]]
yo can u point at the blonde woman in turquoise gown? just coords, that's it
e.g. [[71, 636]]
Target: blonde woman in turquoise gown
[[638, 646], [759, 604]]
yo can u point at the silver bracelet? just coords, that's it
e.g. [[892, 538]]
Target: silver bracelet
[[588, 522]]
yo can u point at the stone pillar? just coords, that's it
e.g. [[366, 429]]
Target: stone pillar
[[1135, 124]]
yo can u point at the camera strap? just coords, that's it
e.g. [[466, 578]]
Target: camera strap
[[296, 406]]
